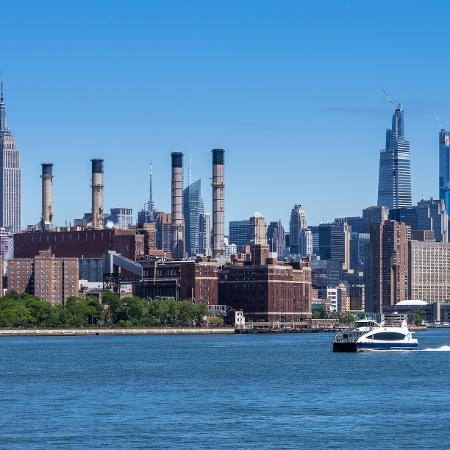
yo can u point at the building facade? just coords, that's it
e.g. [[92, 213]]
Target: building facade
[[205, 234], [394, 183], [297, 222], [444, 167], [276, 238], [121, 217], [239, 233], [193, 209], [11, 183], [257, 229]]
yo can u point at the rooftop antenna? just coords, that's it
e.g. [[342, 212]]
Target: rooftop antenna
[[439, 121], [190, 167]]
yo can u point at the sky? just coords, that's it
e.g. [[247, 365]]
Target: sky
[[292, 90]]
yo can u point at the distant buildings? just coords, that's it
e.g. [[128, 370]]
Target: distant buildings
[[276, 238], [11, 183], [257, 229], [297, 223], [193, 209], [394, 184], [205, 234], [49, 278], [334, 242], [121, 217], [444, 167], [386, 274], [239, 233]]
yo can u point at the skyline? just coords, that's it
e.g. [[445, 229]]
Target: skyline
[[247, 90]]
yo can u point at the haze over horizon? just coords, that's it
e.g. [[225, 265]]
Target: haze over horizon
[[291, 91]]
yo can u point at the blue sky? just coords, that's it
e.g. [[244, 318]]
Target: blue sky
[[291, 90]]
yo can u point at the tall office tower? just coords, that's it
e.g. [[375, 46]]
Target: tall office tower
[[193, 209], [276, 238], [205, 234], [334, 242], [296, 223], [374, 214], [218, 201], [305, 242], [164, 231], [386, 275], [148, 213], [394, 184], [177, 206], [121, 217], [258, 230], [433, 215], [444, 167], [315, 239], [239, 233], [10, 206], [358, 249]]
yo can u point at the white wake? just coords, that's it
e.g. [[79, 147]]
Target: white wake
[[443, 348]]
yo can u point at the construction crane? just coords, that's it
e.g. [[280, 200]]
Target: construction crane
[[389, 98], [439, 121]]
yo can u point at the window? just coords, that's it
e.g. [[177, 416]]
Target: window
[[388, 336]]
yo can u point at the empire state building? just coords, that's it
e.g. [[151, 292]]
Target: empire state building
[[10, 185]]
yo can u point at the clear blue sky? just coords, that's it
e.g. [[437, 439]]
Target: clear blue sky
[[291, 90]]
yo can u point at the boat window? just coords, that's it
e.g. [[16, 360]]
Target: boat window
[[388, 336]]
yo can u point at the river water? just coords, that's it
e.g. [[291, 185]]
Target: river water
[[230, 391]]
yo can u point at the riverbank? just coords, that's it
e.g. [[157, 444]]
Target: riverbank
[[112, 331]]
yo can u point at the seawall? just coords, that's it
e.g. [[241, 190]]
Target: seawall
[[112, 331]]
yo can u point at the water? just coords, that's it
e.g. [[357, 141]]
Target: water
[[253, 391]]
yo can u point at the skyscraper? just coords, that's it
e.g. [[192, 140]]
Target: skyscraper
[[276, 238], [258, 229], [394, 183], [205, 234], [192, 210], [444, 167], [297, 222], [10, 204], [239, 233]]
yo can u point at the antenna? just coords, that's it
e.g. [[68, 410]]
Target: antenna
[[1, 85], [439, 121], [389, 98], [190, 167]]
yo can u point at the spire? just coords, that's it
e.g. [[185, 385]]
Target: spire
[[3, 124], [151, 205], [398, 127]]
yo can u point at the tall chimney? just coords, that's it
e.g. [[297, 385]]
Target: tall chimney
[[218, 207], [47, 195], [177, 206], [97, 194]]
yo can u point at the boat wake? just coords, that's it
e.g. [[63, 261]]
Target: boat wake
[[443, 348]]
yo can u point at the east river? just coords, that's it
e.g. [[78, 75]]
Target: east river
[[230, 391]]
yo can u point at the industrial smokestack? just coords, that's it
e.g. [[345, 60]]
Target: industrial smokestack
[[177, 206], [218, 206], [97, 194], [47, 195]]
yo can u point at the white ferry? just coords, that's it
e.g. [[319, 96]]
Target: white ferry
[[368, 335]]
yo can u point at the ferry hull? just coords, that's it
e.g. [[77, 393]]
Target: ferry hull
[[367, 347], [344, 347]]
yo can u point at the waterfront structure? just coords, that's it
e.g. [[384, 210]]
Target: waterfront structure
[[178, 242], [444, 167], [218, 201], [297, 222], [205, 234], [11, 183], [182, 280], [49, 278], [267, 293], [121, 217], [193, 209], [276, 238], [79, 243], [394, 184], [429, 271], [257, 229], [239, 233], [386, 275]]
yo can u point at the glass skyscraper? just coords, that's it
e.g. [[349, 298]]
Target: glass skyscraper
[[444, 167], [394, 183], [193, 209]]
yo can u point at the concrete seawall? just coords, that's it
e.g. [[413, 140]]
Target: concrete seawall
[[113, 331]]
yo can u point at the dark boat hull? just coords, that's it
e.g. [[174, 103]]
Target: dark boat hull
[[344, 347]]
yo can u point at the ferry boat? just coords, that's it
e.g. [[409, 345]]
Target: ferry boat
[[368, 335]]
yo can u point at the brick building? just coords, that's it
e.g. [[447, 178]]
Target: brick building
[[182, 280], [79, 243], [269, 292], [49, 278]]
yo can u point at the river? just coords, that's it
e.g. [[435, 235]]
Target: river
[[230, 391]]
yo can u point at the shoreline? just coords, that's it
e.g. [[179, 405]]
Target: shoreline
[[112, 331]]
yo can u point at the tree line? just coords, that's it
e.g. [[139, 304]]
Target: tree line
[[24, 310]]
